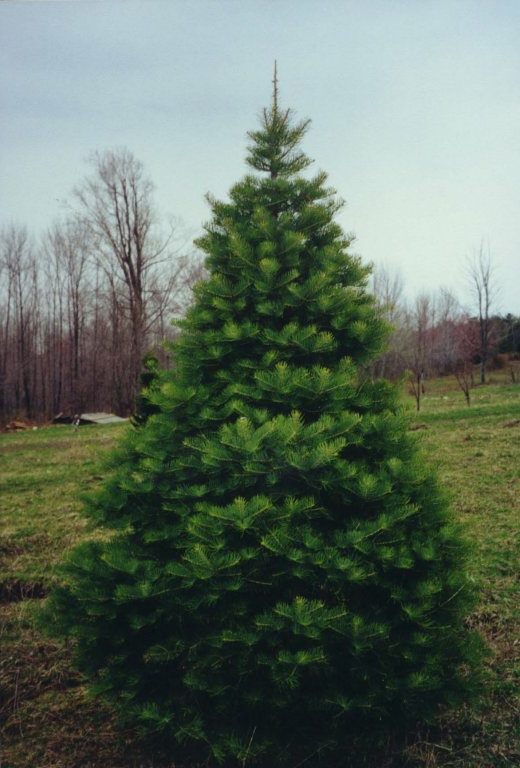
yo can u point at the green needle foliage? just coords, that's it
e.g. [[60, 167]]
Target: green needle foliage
[[285, 581], [149, 377]]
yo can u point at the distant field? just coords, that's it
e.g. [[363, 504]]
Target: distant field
[[49, 722]]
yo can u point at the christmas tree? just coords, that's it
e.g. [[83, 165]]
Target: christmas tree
[[284, 574]]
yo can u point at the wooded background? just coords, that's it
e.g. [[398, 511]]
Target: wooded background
[[80, 307]]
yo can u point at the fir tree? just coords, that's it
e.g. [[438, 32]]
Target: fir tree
[[285, 575], [148, 381]]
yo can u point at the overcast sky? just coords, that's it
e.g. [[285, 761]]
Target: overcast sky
[[415, 109]]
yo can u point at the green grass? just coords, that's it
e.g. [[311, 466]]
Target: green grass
[[48, 719], [477, 453], [43, 475]]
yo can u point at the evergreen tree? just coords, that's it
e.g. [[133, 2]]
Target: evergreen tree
[[148, 381], [284, 575]]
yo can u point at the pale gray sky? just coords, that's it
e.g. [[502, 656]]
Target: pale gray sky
[[415, 108]]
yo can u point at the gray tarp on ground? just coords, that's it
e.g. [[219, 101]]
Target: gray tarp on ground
[[100, 418]]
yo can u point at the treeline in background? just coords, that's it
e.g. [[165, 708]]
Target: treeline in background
[[437, 336], [80, 308]]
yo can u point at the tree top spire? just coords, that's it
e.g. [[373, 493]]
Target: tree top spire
[[275, 145], [275, 87]]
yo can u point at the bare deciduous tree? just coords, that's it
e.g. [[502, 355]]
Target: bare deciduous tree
[[388, 290], [67, 251], [446, 336], [116, 206], [20, 325], [421, 324], [481, 281], [463, 374]]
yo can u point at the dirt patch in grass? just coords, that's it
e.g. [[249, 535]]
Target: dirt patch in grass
[[15, 591], [11, 547], [47, 718], [45, 715], [66, 730]]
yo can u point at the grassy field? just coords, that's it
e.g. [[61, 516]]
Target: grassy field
[[47, 719]]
